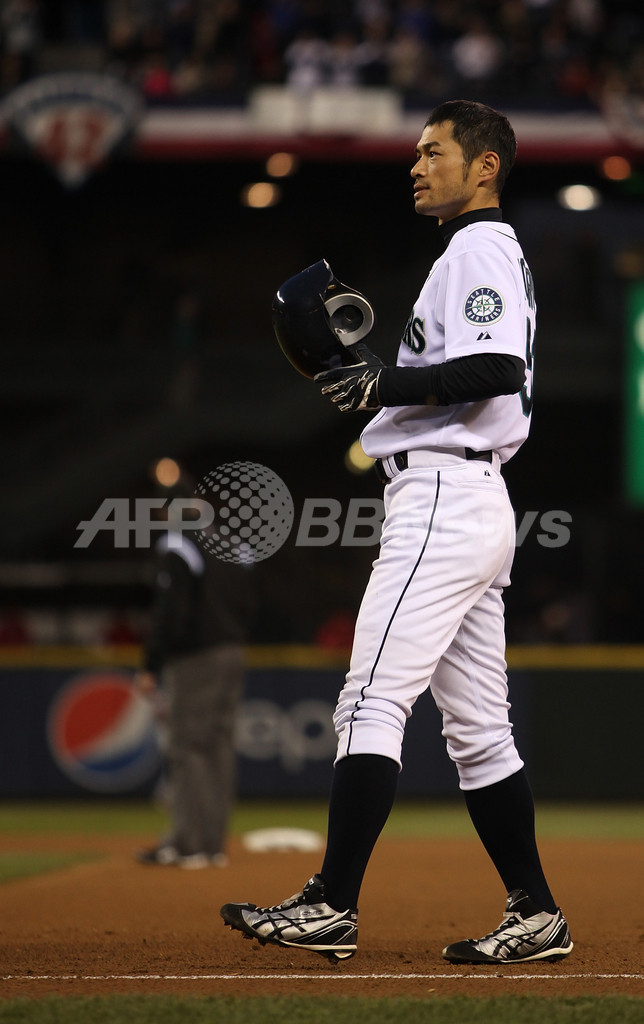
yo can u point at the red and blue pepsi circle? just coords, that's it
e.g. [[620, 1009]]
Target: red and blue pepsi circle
[[101, 733]]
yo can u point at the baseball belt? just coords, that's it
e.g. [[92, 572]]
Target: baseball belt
[[401, 460]]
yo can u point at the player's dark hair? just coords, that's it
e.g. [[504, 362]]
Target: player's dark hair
[[478, 128]]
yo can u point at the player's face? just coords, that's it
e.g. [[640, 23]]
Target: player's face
[[442, 187]]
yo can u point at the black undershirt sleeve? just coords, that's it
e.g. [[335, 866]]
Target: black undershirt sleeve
[[468, 379]]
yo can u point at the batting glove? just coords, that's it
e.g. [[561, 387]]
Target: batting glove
[[354, 388]]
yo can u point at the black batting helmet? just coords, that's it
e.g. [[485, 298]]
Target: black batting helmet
[[318, 320]]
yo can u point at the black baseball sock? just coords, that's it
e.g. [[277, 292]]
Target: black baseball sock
[[503, 816], [362, 795]]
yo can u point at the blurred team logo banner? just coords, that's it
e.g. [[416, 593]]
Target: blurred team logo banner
[[73, 121], [101, 733]]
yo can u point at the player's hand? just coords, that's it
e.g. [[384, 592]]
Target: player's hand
[[354, 388]]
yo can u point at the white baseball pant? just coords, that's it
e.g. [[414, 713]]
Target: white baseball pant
[[432, 616]]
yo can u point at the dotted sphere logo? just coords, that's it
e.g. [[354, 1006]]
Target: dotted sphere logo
[[253, 512]]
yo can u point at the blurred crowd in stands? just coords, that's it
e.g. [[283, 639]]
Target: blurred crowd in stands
[[545, 609], [521, 50]]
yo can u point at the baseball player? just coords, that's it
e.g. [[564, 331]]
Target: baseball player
[[455, 407]]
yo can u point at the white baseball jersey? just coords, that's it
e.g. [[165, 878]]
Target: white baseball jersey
[[478, 298]]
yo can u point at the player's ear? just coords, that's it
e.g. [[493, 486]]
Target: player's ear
[[489, 164]]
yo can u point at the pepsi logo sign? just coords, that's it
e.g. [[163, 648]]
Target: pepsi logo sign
[[101, 733]]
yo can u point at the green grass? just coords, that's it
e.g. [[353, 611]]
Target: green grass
[[411, 818], [79, 817], [323, 1010], [554, 821], [23, 865]]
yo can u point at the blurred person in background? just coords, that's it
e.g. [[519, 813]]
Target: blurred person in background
[[478, 54], [306, 61], [193, 671], [19, 40]]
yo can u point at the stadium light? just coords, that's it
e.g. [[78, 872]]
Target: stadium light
[[579, 197], [260, 195]]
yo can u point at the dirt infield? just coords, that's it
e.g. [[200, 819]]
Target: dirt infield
[[112, 925]]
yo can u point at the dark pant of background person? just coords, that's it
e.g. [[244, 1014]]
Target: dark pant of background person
[[202, 692]]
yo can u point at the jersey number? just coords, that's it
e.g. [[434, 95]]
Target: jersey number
[[526, 397]]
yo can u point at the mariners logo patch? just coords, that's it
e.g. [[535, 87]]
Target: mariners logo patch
[[483, 306]]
